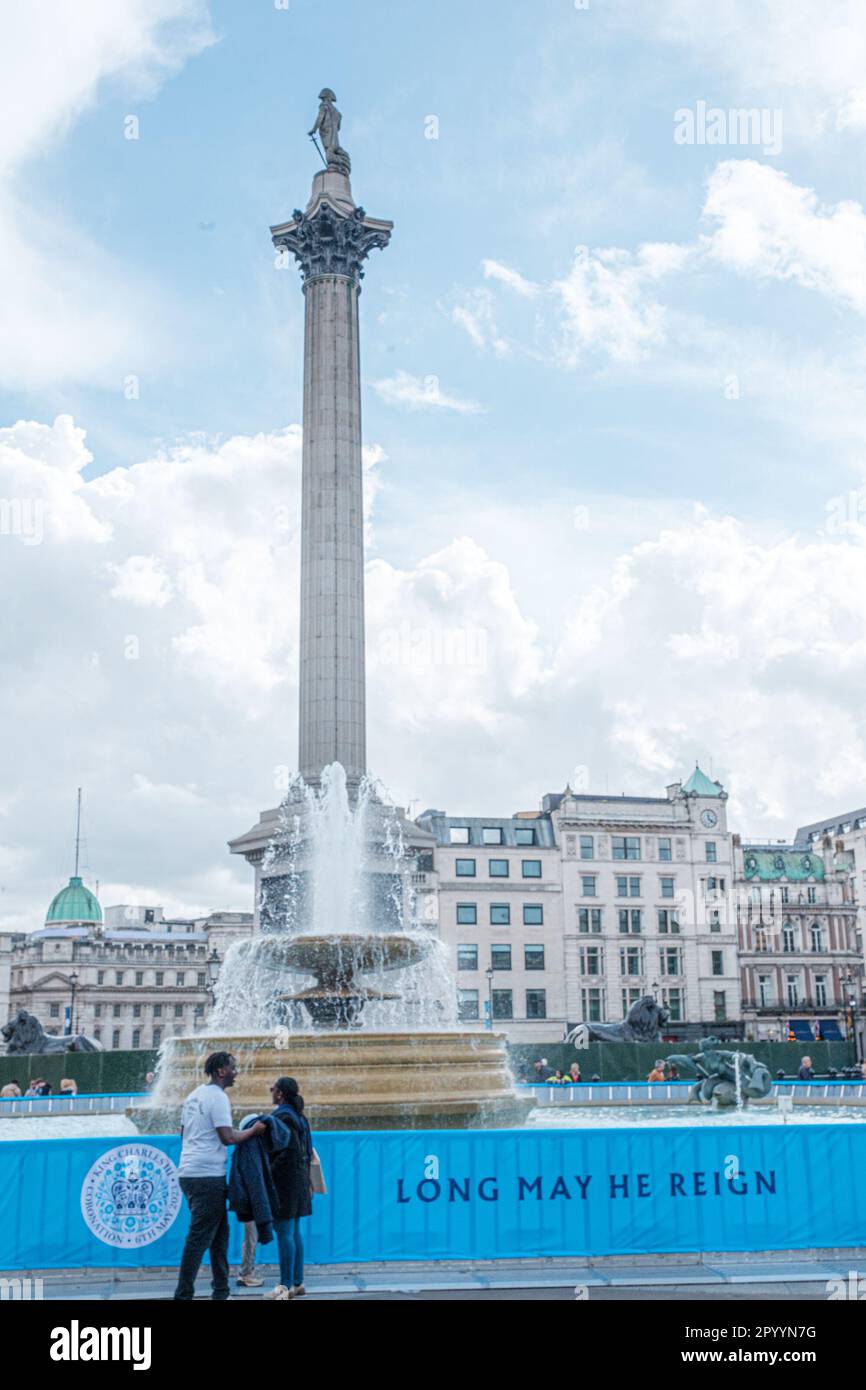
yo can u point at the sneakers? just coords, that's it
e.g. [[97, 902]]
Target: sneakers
[[298, 1291], [250, 1281], [280, 1292]]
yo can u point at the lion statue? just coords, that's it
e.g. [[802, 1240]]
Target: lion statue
[[643, 1024], [25, 1034]]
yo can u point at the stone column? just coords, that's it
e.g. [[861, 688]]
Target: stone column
[[330, 240]]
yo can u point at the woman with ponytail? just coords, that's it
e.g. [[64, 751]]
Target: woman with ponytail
[[291, 1173]]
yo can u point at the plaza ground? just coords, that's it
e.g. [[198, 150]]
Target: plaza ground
[[734, 1278]]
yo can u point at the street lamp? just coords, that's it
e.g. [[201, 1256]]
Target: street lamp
[[213, 963], [73, 985], [488, 1022], [851, 990]]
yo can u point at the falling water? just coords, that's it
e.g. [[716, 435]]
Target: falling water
[[738, 1080], [336, 867]]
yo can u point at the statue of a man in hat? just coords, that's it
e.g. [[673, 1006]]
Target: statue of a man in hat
[[327, 126]]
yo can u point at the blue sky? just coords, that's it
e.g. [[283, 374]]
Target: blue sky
[[614, 395]]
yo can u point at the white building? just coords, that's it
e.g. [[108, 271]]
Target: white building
[[572, 913]]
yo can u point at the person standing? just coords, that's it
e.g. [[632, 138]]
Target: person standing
[[291, 1174], [10, 1091], [806, 1073], [206, 1132]]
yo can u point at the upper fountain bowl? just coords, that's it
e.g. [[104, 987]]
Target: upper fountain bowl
[[342, 956]]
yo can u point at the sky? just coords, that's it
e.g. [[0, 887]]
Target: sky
[[614, 396]]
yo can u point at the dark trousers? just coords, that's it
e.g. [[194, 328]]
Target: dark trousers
[[208, 1230]]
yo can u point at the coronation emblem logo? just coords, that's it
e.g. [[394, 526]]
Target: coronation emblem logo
[[131, 1196]]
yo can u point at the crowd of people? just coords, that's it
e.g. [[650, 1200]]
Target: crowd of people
[[38, 1087], [274, 1172]]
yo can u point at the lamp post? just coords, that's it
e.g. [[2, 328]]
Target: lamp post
[[213, 963], [488, 1022], [851, 1001], [73, 985]]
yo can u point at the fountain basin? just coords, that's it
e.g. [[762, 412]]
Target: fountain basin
[[358, 1080]]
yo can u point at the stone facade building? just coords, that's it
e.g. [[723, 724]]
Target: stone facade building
[[129, 977], [800, 950], [572, 913]]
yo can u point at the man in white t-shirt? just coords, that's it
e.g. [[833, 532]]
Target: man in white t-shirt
[[206, 1132]]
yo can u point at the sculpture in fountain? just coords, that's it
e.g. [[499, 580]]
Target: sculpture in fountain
[[335, 898], [725, 1077]]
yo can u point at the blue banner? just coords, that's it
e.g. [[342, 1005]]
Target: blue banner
[[451, 1194]]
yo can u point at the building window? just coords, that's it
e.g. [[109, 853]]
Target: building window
[[160, 976], [533, 957], [491, 835], [136, 1037], [54, 1010], [467, 957], [503, 1006], [100, 977], [464, 868], [710, 850], [669, 960], [467, 914], [627, 887], [786, 896], [118, 977], [497, 868], [589, 919], [588, 885], [536, 1003], [715, 920], [720, 1011], [817, 936], [136, 1011], [115, 1038], [115, 1011], [525, 835], [821, 991], [666, 886], [500, 915], [789, 935], [178, 1010], [201, 979], [531, 868], [459, 835], [811, 895], [157, 1011], [139, 977], [766, 993], [157, 1037], [630, 960], [626, 847], [792, 989], [718, 962], [587, 847], [149, 915], [592, 1004], [629, 919], [673, 1002], [180, 979], [97, 1011], [630, 995], [500, 957], [665, 851], [467, 1005], [590, 960], [533, 915], [669, 923]]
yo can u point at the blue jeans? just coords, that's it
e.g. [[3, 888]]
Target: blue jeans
[[291, 1248]]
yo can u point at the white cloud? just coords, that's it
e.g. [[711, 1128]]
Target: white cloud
[[767, 226], [422, 393], [76, 313], [494, 270], [608, 302], [475, 314]]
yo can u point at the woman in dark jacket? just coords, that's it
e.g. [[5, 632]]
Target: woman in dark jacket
[[291, 1173]]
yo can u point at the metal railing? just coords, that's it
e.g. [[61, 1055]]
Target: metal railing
[[677, 1092], [107, 1103]]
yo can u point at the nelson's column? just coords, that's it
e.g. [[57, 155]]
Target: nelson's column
[[330, 240]]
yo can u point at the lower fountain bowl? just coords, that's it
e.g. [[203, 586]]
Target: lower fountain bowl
[[351, 1080]]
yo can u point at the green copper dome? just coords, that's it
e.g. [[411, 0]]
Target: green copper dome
[[74, 903], [700, 784]]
